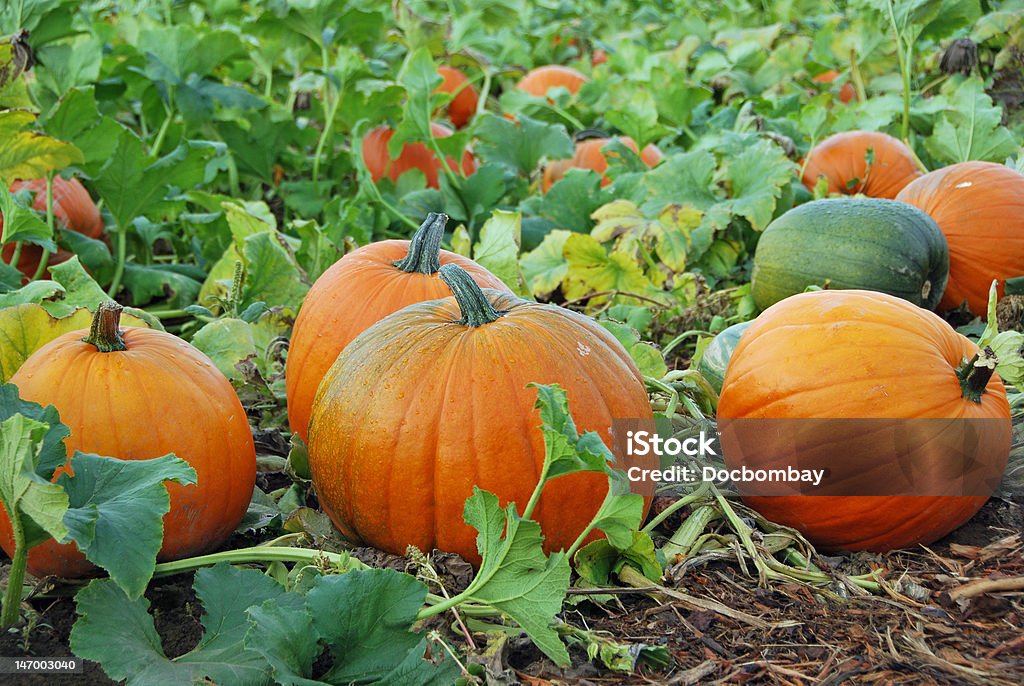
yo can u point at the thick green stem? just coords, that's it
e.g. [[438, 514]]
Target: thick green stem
[[424, 256], [122, 256], [903, 54], [44, 259], [475, 308], [975, 374], [104, 332], [16, 255], [16, 576]]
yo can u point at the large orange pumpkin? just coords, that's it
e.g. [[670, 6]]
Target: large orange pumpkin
[[463, 105], [72, 207], [137, 394], [980, 208], [588, 155], [872, 388], [413, 156], [357, 291], [538, 81], [842, 160], [433, 400]]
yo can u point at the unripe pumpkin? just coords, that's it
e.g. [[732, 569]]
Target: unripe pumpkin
[[413, 156], [843, 160], [138, 394], [834, 368], [433, 400], [356, 292], [980, 208]]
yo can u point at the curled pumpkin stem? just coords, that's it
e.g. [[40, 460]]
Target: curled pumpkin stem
[[476, 309], [975, 374], [424, 254], [105, 332]]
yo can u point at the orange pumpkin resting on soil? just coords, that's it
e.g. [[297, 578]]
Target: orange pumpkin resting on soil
[[980, 208], [356, 292], [72, 208], [138, 394], [846, 93], [463, 105], [538, 81], [433, 400], [413, 156], [843, 160], [884, 395], [589, 156]]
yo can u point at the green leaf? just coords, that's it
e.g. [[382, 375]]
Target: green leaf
[[638, 118], [498, 247], [23, 491], [757, 176], [365, 617], [600, 561], [118, 632], [21, 223], [29, 155], [593, 269], [684, 179], [970, 129], [272, 274], [117, 505], [80, 290], [515, 575], [544, 267], [167, 282], [282, 632], [647, 358], [521, 144], [52, 453], [226, 342]]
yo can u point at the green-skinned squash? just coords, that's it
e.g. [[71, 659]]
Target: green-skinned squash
[[715, 359], [852, 243]]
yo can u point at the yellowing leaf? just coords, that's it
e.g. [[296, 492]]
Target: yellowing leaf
[[675, 223], [616, 218], [592, 269], [544, 267], [29, 155], [498, 247]]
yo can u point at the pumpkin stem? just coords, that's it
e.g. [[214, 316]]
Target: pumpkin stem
[[104, 332], [476, 309], [974, 374], [424, 254]]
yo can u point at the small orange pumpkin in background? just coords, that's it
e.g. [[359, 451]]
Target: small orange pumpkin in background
[[138, 394], [72, 207], [433, 400], [980, 208], [356, 292], [846, 93], [588, 155], [820, 378], [538, 81], [842, 160], [463, 104], [413, 156]]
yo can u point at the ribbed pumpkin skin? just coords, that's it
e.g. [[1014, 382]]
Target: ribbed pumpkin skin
[[413, 156], [419, 409], [463, 106], [356, 292], [841, 159], [72, 208], [980, 208], [588, 155], [538, 81], [160, 396], [715, 360], [859, 354], [852, 243]]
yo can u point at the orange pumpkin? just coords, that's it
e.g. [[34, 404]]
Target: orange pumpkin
[[138, 394], [413, 156], [980, 208], [589, 156], [538, 81], [820, 378], [464, 102], [72, 207], [433, 400], [356, 292], [846, 93], [842, 160]]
